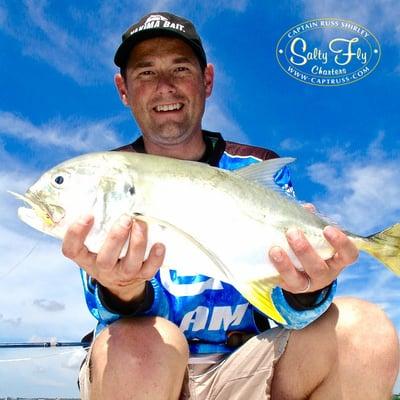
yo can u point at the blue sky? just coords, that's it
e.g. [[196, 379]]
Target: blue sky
[[58, 100]]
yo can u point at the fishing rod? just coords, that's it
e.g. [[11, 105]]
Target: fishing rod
[[19, 345]]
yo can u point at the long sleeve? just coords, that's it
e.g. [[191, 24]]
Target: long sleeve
[[297, 318], [105, 315]]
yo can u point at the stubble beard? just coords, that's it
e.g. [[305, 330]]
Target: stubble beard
[[171, 132]]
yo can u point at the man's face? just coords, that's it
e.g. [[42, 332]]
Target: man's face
[[166, 90]]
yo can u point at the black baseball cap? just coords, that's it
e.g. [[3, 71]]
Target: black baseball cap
[[159, 24]]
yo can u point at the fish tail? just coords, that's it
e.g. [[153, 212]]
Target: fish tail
[[384, 246], [258, 293]]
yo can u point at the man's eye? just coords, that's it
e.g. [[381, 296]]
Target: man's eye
[[146, 73], [181, 69]]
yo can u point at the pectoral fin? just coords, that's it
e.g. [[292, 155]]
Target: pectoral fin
[[183, 251], [197, 259]]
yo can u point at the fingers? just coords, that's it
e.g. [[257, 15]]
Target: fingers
[[316, 273], [346, 251], [154, 261], [107, 266], [73, 244], [292, 279], [314, 266], [310, 207], [109, 253], [134, 262]]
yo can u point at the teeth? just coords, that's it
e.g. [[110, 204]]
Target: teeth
[[169, 107]]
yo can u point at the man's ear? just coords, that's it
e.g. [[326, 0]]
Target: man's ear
[[121, 87], [209, 79]]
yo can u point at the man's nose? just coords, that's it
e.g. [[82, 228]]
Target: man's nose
[[165, 84]]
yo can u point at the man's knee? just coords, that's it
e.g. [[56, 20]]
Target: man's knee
[[361, 323], [352, 344], [366, 334], [140, 343]]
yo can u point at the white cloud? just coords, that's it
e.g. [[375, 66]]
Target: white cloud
[[382, 17], [40, 373], [217, 116], [291, 144], [217, 119], [73, 135], [35, 278], [3, 15], [33, 269], [202, 10], [361, 192], [12, 321], [74, 360], [370, 281], [44, 273], [49, 305], [87, 57]]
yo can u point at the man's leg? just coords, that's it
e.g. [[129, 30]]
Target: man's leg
[[140, 358], [351, 352]]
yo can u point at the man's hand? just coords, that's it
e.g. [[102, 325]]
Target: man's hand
[[318, 273], [125, 278]]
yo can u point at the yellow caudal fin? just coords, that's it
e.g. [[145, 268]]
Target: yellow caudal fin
[[384, 246], [258, 293]]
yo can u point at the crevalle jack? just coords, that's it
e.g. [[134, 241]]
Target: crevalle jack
[[213, 222]]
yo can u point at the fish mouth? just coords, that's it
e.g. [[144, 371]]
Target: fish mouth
[[49, 214]]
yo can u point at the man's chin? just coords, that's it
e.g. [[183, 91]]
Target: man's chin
[[171, 134]]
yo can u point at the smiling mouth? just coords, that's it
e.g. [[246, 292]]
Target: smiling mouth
[[168, 107]]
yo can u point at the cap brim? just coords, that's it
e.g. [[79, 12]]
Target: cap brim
[[123, 52]]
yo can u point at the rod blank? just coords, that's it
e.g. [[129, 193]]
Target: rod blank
[[19, 345]]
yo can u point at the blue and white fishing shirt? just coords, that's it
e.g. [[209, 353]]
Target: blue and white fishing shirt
[[208, 311]]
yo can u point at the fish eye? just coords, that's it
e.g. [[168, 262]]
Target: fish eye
[[59, 180]]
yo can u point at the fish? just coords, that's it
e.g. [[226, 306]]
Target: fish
[[213, 222]]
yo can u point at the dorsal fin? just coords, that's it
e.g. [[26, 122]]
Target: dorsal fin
[[263, 172]]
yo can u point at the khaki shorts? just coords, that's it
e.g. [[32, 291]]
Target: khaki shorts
[[245, 374]]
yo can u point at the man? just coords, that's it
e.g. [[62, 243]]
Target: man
[[165, 336]]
